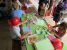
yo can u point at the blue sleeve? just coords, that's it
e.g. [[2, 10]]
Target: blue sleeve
[[23, 12]]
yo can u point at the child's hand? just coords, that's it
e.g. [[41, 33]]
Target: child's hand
[[29, 33], [50, 29], [26, 21], [26, 35], [22, 23]]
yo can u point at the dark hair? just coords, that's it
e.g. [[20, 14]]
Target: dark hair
[[63, 24], [39, 8], [43, 1]]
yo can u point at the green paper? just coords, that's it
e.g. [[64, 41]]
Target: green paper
[[28, 46], [44, 45], [27, 16], [64, 47], [41, 22]]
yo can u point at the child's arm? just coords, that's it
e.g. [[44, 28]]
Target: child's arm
[[53, 28], [21, 23], [25, 35], [56, 26], [20, 37], [54, 33]]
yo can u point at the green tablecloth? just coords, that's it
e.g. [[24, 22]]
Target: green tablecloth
[[39, 28], [44, 45], [65, 47]]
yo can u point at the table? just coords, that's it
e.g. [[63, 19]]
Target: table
[[40, 28]]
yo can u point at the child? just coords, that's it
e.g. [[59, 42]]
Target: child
[[16, 14], [41, 8], [61, 30], [17, 11], [26, 5], [16, 36]]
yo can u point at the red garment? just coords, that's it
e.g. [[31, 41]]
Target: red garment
[[24, 7], [48, 12], [57, 44]]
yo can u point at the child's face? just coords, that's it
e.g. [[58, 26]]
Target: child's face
[[43, 6]]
